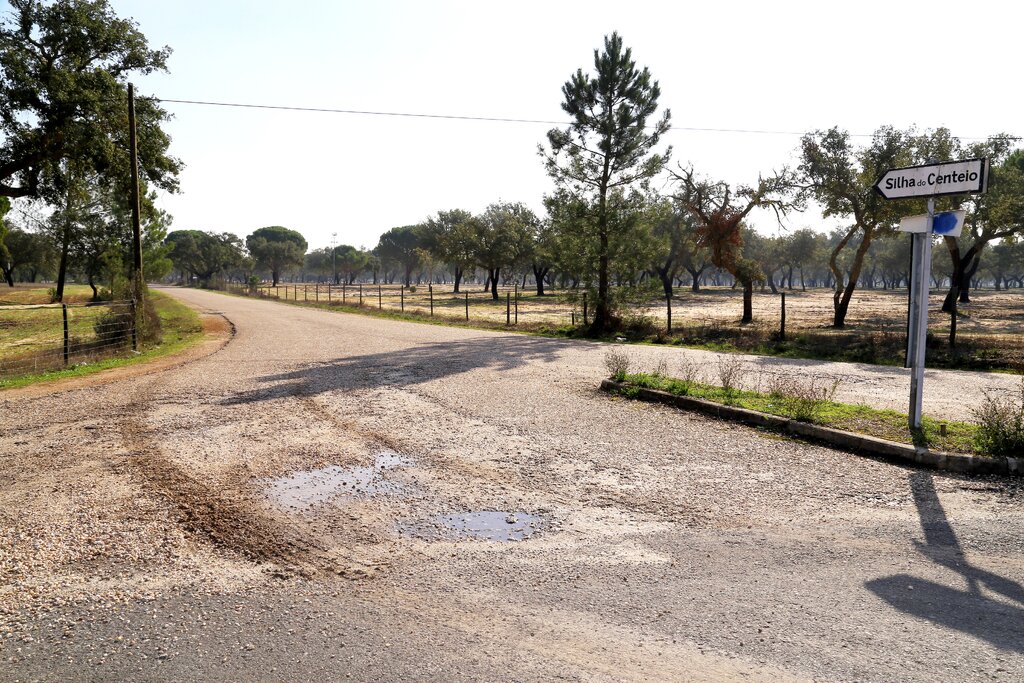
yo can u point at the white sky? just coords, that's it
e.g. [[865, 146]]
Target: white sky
[[778, 66]]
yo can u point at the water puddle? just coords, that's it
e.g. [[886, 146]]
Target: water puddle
[[337, 484], [486, 525]]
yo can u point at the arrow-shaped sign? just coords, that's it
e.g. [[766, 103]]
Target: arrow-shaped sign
[[969, 176]]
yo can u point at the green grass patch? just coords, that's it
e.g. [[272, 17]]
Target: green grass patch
[[960, 437], [181, 328], [31, 294]]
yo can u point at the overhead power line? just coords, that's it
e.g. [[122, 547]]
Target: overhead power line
[[503, 119]]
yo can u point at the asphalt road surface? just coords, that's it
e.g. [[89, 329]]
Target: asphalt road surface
[[336, 497]]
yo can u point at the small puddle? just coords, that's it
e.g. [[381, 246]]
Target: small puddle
[[333, 483], [486, 525]]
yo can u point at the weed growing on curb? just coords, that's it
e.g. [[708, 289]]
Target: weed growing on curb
[[619, 364], [730, 372], [1001, 424], [802, 398], [689, 375]]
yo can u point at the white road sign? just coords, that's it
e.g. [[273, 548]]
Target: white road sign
[[946, 223], [932, 180]]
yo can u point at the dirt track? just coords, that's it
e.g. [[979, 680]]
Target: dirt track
[[137, 539]]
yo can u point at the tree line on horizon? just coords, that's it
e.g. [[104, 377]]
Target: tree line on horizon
[[605, 225], [64, 174]]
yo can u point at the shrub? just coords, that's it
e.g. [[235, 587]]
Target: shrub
[[730, 372], [802, 398], [689, 374], [1001, 424], [113, 327], [808, 397], [779, 387], [618, 363]]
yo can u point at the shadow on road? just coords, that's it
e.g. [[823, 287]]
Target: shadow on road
[[407, 367], [969, 611]]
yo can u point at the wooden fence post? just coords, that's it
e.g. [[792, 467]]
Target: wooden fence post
[[668, 305], [508, 317], [135, 324], [430, 290], [782, 319], [584, 308], [467, 306], [952, 323], [380, 298], [67, 338]]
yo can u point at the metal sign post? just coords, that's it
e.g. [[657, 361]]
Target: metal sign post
[[917, 336], [969, 176]]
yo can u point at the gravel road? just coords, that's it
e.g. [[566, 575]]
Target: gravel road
[[311, 502]]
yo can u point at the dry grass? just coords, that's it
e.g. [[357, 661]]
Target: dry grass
[[990, 329]]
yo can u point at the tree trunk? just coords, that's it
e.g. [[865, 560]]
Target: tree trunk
[[666, 274], [602, 311], [964, 268], [493, 277], [695, 275], [539, 273], [62, 270], [843, 304], [968, 282], [748, 302], [841, 296], [458, 278]]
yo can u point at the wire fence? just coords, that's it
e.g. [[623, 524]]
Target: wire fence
[[37, 338], [989, 332], [511, 306]]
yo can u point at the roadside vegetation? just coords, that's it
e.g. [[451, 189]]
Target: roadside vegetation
[[997, 432], [170, 327]]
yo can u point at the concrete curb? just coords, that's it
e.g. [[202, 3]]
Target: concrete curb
[[855, 443]]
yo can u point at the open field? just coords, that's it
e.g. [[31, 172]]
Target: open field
[[32, 339], [39, 293], [990, 330]]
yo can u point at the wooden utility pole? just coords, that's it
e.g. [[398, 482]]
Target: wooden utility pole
[[138, 281], [136, 218]]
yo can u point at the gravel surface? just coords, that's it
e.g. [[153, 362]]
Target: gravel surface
[[144, 534]]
